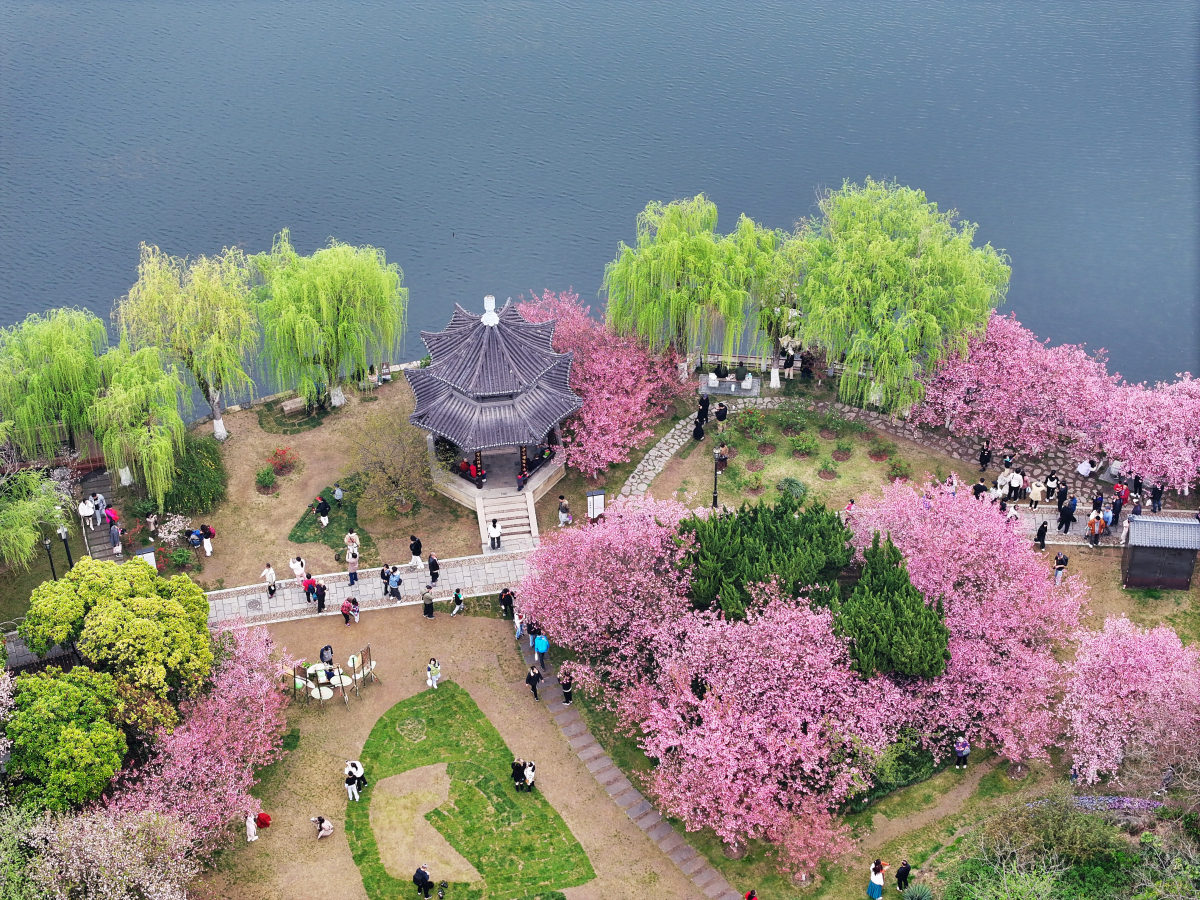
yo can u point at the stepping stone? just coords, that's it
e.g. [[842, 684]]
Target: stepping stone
[[566, 717], [639, 809], [599, 764], [575, 729], [628, 797], [707, 875], [716, 889], [690, 867], [587, 754], [659, 831], [608, 776], [680, 854], [648, 820], [581, 740]]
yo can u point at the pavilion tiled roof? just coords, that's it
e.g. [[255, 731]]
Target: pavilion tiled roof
[[494, 381]]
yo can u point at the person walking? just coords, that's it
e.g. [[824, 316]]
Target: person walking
[[86, 511], [338, 494], [1060, 567], [347, 610], [268, 575], [541, 646], [99, 505], [1061, 494], [518, 626], [394, 582], [875, 884], [902, 874], [427, 602], [494, 532], [1095, 525], [433, 672], [1040, 537], [567, 683], [533, 629], [113, 517], [351, 787], [721, 415], [319, 593], [321, 508], [435, 567], [414, 547], [207, 533], [1037, 493], [1052, 484], [564, 508], [518, 773], [298, 566], [985, 456], [458, 602], [424, 882], [530, 775], [962, 750], [1156, 496], [506, 603], [352, 567], [1118, 504], [324, 826], [114, 538], [533, 678]]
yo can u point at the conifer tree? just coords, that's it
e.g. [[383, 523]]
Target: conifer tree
[[892, 630]]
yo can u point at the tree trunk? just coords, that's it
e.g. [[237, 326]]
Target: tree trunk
[[214, 403], [126, 476], [775, 377], [337, 397]]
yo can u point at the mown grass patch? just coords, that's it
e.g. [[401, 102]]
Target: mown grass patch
[[342, 518]]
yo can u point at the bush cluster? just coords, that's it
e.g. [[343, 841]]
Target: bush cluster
[[200, 478]]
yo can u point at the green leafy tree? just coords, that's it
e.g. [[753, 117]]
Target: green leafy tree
[[892, 630], [802, 546], [329, 315], [30, 504], [49, 376], [890, 285], [394, 458], [200, 479], [198, 312], [136, 417], [65, 746]]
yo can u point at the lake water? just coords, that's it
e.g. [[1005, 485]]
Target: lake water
[[507, 146]]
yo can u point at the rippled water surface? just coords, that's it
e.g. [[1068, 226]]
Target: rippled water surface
[[507, 146]]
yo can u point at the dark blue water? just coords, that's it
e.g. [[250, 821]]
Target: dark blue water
[[508, 146]]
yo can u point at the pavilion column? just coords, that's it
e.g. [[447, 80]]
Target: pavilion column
[[524, 461], [478, 460]]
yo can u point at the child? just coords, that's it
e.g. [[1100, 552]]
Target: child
[[432, 673], [354, 610], [458, 602], [324, 826]]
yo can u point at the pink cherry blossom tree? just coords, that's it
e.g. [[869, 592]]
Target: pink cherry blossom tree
[[625, 388], [7, 687], [1018, 391], [601, 589], [761, 728], [1133, 696], [1006, 618], [202, 771], [1155, 432]]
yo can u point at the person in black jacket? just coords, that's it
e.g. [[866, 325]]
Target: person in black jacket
[[424, 882], [1040, 539], [902, 874], [533, 678], [702, 415], [321, 507], [985, 456], [319, 592], [434, 567], [721, 415], [1061, 496], [518, 773], [414, 546], [506, 603]]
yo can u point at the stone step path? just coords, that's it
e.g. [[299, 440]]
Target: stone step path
[[708, 881], [514, 514], [96, 539]]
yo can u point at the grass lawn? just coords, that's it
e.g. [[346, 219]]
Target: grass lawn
[[18, 584], [517, 842], [271, 418], [341, 519]]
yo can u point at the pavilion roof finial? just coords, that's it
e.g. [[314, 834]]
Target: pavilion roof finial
[[489, 317]]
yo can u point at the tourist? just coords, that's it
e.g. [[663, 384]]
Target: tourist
[[1156, 495], [464, 468], [564, 508], [86, 511], [309, 584], [567, 683], [494, 531], [698, 431], [414, 547], [194, 539], [1066, 516], [1086, 468], [1052, 484], [1016, 481], [1137, 484], [427, 602], [351, 787], [99, 505], [985, 456], [322, 510], [533, 629], [1117, 505], [424, 882], [1061, 495], [352, 567], [702, 409], [1121, 489], [875, 885], [533, 678], [394, 582], [1008, 458], [320, 592], [268, 575], [518, 773], [435, 567], [324, 826], [1107, 515], [979, 489], [1098, 501], [298, 566], [721, 415], [1060, 567], [351, 541], [506, 602], [1037, 493], [996, 491], [952, 484], [962, 750], [541, 646], [518, 624], [432, 673], [1040, 537], [1137, 505], [114, 537], [807, 364], [112, 516], [338, 494], [902, 874], [530, 775], [251, 829], [355, 609], [722, 457], [347, 611], [458, 602], [327, 658], [1095, 525], [789, 362], [750, 895]]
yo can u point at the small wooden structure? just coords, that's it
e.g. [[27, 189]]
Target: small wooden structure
[[1160, 553]]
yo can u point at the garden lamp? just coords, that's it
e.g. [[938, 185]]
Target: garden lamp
[[46, 544], [716, 471], [62, 533]]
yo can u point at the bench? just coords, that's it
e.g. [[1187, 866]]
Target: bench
[[294, 407]]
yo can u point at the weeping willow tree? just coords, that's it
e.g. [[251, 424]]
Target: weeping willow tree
[[199, 313], [49, 375], [136, 417], [328, 315], [674, 288], [755, 261], [890, 285], [30, 506]]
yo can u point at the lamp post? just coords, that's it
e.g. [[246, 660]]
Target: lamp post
[[716, 472], [53, 573], [62, 533]]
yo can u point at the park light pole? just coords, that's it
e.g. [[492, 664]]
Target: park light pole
[[716, 472], [53, 573], [62, 533]]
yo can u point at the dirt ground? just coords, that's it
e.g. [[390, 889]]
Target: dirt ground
[[252, 529], [479, 654]]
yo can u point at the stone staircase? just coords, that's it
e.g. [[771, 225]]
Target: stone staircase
[[515, 514], [96, 539]]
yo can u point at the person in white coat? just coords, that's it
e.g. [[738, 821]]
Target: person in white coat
[[251, 829], [298, 567], [530, 774], [494, 532], [86, 511]]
